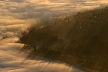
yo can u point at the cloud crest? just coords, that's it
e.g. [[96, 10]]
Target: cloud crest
[[23, 12]]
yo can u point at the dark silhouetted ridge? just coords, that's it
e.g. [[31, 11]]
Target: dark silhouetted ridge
[[79, 39]]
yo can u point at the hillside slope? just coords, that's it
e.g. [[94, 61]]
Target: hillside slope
[[79, 39]]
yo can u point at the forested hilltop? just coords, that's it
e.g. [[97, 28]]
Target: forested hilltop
[[79, 40]]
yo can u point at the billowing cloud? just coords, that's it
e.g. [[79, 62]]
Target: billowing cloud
[[12, 60], [49, 8]]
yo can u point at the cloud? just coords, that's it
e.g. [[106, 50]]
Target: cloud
[[12, 60], [17, 0], [30, 9]]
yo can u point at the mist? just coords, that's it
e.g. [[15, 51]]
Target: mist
[[18, 15]]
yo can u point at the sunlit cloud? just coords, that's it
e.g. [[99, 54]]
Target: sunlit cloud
[[12, 60]]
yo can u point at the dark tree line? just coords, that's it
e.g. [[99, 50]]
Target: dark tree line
[[79, 39]]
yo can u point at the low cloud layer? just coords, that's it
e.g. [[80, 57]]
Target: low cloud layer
[[12, 60], [23, 12]]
